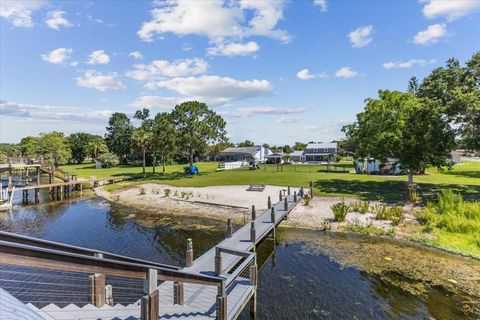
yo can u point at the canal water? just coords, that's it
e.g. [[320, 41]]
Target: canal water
[[299, 278]]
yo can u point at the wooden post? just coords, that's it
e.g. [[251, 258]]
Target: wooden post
[[37, 190], [280, 195], [285, 204], [269, 202], [97, 290], [218, 261], [302, 192], [189, 253], [109, 295], [38, 176], [10, 181], [254, 213], [221, 306], [253, 235], [311, 189], [178, 293], [149, 302], [272, 215], [295, 196], [229, 228], [288, 190], [254, 279]]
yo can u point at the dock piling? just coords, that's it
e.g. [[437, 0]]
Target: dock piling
[[253, 235], [272, 215], [189, 253], [254, 213], [229, 228], [288, 190], [269, 202], [221, 307], [178, 293], [311, 189], [218, 261], [280, 195], [150, 301], [97, 289], [285, 204], [295, 196]]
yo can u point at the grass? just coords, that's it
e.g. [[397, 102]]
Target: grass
[[454, 222], [463, 178]]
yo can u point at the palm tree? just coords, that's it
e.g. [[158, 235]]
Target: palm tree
[[142, 140], [95, 147]]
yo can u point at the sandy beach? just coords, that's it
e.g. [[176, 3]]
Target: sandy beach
[[223, 202]]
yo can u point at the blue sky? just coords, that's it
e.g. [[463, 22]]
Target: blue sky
[[278, 71]]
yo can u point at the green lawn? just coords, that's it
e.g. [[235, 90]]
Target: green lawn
[[463, 178]]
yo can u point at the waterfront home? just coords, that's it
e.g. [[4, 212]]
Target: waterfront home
[[275, 158], [243, 154], [318, 152]]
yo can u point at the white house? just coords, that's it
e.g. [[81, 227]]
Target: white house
[[243, 154]]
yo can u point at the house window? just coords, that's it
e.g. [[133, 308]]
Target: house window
[[315, 150]]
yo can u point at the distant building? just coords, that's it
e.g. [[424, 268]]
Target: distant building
[[275, 158], [244, 154], [315, 153], [297, 156]]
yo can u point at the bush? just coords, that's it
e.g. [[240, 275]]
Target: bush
[[306, 199], [360, 206], [383, 212], [340, 211], [108, 160], [166, 192]]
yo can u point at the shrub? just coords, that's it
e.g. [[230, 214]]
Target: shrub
[[340, 211], [360, 206], [166, 192], [306, 200], [448, 201], [108, 159], [383, 212], [142, 191]]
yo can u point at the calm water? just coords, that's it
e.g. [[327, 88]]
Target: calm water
[[294, 283]]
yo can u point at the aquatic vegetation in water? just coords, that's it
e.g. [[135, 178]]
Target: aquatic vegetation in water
[[369, 229], [166, 193], [141, 191], [306, 200], [340, 210]]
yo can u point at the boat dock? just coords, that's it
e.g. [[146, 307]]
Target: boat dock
[[219, 284]]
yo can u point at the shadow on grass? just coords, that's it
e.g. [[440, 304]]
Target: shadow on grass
[[393, 191], [467, 174]]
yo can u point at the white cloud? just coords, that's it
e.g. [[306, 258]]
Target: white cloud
[[56, 19], [260, 110], [98, 57], [361, 36], [159, 69], [305, 75], [346, 72], [451, 10], [159, 102], [52, 113], [102, 82], [288, 120], [431, 35], [214, 89], [322, 4], [225, 19], [136, 55], [233, 49], [19, 13], [408, 64], [57, 56]]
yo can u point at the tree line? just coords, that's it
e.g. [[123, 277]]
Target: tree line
[[188, 131], [421, 126]]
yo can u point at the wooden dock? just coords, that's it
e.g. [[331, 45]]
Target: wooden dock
[[217, 285]]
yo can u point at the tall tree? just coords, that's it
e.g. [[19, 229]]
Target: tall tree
[[299, 146], [96, 147], [30, 146], [456, 92], [142, 140], [78, 143], [164, 138], [402, 126], [197, 126], [54, 146], [246, 143], [287, 149], [412, 85], [119, 136]]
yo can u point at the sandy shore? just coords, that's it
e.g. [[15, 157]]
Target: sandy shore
[[222, 202]]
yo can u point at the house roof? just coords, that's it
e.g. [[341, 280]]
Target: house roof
[[242, 150], [275, 155], [297, 153], [321, 145]]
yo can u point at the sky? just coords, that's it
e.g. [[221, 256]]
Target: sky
[[277, 71]]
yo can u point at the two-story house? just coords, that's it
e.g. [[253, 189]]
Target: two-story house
[[316, 152]]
